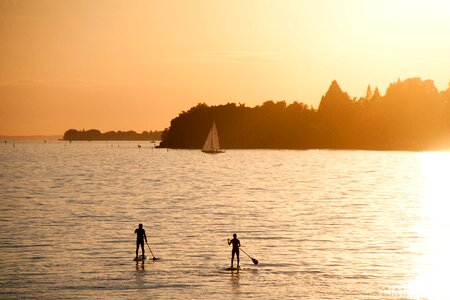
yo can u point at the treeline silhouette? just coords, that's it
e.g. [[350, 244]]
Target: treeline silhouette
[[96, 135], [412, 115]]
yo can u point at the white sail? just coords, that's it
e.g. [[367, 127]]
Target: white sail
[[212, 141]]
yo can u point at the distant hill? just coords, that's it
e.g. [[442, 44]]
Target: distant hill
[[96, 135]]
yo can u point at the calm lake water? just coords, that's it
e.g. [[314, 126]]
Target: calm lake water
[[322, 224]]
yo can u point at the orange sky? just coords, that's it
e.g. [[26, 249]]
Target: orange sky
[[134, 65]]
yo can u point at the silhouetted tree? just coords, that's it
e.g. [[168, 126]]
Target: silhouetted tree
[[336, 111], [369, 93]]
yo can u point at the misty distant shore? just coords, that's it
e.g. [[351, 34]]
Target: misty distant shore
[[96, 135], [30, 137]]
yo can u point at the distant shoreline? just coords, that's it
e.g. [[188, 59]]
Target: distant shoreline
[[96, 135], [30, 137]]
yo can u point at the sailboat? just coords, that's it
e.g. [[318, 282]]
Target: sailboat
[[212, 141]]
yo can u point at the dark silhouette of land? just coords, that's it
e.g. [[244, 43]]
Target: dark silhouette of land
[[96, 135], [412, 115]]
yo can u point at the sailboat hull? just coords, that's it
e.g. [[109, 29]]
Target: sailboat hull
[[212, 151]]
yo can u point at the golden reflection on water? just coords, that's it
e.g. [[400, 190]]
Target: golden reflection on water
[[235, 281], [140, 266], [433, 264]]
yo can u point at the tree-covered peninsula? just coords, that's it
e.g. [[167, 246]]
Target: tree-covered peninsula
[[412, 115], [96, 135]]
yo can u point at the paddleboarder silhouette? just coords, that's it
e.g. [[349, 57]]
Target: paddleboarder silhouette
[[236, 244], [140, 239]]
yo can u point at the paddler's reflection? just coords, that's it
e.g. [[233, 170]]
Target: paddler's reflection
[[235, 273], [235, 281], [140, 265]]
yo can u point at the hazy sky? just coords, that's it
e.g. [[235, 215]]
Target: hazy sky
[[134, 65]]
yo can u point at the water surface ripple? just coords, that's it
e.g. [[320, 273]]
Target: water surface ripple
[[323, 224]]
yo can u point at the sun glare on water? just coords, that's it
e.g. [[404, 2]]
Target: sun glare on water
[[433, 263]]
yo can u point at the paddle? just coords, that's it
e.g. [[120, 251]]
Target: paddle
[[255, 261], [154, 258]]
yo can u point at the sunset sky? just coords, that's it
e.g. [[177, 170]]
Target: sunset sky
[[135, 65]]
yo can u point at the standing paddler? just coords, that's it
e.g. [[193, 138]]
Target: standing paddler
[[140, 237], [236, 244]]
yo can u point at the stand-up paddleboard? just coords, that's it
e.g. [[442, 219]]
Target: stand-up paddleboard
[[140, 258], [233, 269]]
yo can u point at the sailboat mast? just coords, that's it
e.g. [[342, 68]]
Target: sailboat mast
[[214, 133]]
